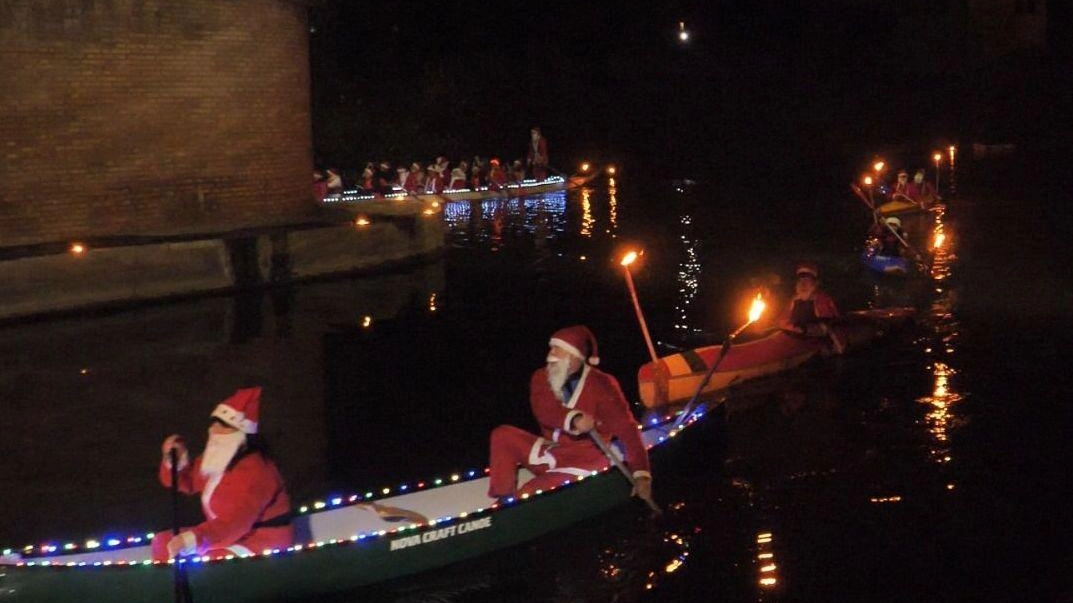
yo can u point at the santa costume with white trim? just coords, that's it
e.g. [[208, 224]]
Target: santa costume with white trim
[[561, 453], [246, 505]]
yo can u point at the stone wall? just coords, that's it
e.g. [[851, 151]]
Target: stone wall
[[151, 117]]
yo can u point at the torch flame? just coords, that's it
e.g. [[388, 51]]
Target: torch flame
[[585, 166], [756, 309], [940, 238], [868, 181], [879, 166], [937, 157], [629, 258]]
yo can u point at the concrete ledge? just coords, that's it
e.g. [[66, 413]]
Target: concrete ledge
[[391, 233], [40, 284], [351, 247]]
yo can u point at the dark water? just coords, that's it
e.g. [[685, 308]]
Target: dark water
[[931, 466]]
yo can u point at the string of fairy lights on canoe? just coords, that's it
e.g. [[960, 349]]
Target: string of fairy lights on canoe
[[400, 193], [37, 554]]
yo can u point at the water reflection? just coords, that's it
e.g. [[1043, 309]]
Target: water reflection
[[941, 344], [687, 278], [587, 220], [612, 208], [495, 222]]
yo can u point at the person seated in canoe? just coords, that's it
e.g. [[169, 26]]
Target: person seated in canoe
[[497, 178], [458, 176], [242, 493], [570, 397], [921, 192], [517, 171], [434, 179], [888, 236], [811, 311], [899, 191]]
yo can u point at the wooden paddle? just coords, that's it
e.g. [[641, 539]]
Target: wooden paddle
[[611, 456], [182, 585]]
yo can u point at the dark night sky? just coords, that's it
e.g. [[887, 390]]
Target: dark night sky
[[779, 83]]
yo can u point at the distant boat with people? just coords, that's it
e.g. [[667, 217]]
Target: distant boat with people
[[509, 190]]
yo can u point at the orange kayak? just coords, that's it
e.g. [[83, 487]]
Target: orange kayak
[[675, 378]]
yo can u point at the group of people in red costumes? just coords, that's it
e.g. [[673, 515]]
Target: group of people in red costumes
[[440, 175], [918, 190]]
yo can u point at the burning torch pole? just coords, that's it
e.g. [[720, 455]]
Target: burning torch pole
[[628, 259], [755, 310]]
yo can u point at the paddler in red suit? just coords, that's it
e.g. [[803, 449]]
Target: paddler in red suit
[[537, 156], [245, 503], [900, 190], [921, 191], [811, 310], [569, 397], [497, 178]]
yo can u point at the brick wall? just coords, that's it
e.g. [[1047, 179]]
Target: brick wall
[[151, 117]]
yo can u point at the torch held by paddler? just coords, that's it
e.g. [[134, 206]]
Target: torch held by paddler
[[628, 259], [755, 310]]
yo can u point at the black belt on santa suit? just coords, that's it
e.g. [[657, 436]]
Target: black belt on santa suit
[[276, 522]]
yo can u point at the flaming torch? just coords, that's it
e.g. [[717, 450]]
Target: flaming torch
[[628, 259], [938, 159], [755, 311]]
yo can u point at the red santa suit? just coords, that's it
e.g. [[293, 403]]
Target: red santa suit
[[559, 453], [434, 181], [246, 506], [458, 179], [537, 157], [234, 503], [496, 177]]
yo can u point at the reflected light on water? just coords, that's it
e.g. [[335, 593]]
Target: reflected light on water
[[616, 562], [941, 416], [688, 277], [586, 212], [612, 207], [767, 569]]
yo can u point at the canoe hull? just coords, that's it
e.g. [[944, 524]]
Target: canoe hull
[[529, 187], [327, 569], [676, 377]]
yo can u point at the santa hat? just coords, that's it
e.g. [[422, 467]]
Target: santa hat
[[242, 410], [807, 268], [577, 340]]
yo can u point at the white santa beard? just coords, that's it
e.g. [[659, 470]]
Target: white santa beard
[[219, 451], [558, 373]]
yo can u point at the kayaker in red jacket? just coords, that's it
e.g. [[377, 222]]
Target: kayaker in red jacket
[[570, 397], [811, 310], [245, 503], [920, 191]]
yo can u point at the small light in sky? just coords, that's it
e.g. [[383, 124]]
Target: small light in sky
[[683, 35]]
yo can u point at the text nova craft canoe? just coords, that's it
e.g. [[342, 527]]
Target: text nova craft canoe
[[346, 542]]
